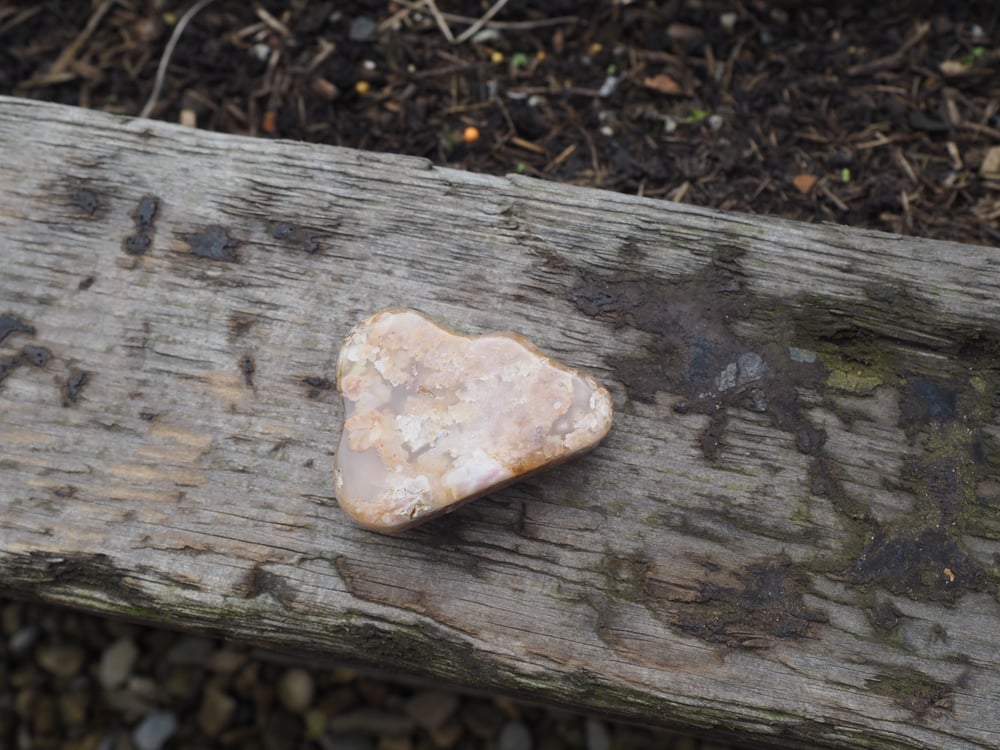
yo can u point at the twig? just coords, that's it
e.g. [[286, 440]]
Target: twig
[[485, 22], [486, 18], [273, 22], [442, 24], [161, 71], [58, 68], [541, 23], [16, 17]]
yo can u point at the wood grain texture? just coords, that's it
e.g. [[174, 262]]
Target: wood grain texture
[[791, 533]]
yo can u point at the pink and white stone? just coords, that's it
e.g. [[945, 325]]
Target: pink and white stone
[[433, 419]]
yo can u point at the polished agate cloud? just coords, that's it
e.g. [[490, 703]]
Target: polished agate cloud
[[433, 419]]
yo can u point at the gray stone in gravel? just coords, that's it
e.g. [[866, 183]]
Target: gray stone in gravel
[[73, 707], [430, 709], [11, 617], [296, 690], [482, 719], [117, 662], [131, 706], [448, 735], [190, 651], [372, 721], [44, 719], [184, 683], [153, 732], [362, 29], [61, 661], [515, 735], [282, 731], [596, 735], [226, 660], [23, 640], [216, 711], [338, 741]]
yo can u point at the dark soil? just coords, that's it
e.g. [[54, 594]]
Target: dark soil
[[873, 114]]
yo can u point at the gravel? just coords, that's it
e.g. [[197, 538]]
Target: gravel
[[296, 690], [153, 731], [430, 709], [116, 664], [515, 735], [75, 682], [596, 735]]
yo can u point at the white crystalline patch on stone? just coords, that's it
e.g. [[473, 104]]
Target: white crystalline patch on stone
[[433, 419]]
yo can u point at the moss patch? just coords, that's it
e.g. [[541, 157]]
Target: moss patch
[[913, 690]]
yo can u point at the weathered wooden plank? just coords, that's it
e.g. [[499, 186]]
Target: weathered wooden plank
[[791, 531]]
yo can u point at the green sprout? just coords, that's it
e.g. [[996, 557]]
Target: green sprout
[[520, 168], [519, 60], [970, 58], [697, 115], [845, 175], [612, 69]]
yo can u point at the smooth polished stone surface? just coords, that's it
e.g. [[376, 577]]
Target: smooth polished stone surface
[[433, 419]]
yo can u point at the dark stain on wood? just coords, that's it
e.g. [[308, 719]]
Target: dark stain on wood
[[980, 348], [923, 401], [941, 486], [9, 325], [925, 564], [144, 217], [86, 283], [7, 365], [317, 385], [767, 605], [213, 243], [74, 386], [259, 581], [248, 368], [36, 356], [85, 200], [694, 351], [240, 324], [29, 354], [884, 615], [302, 238]]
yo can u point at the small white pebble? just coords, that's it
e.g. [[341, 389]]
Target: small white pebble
[[486, 36], [153, 732], [609, 86], [261, 51]]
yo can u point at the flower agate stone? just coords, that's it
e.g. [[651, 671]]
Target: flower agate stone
[[433, 419]]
